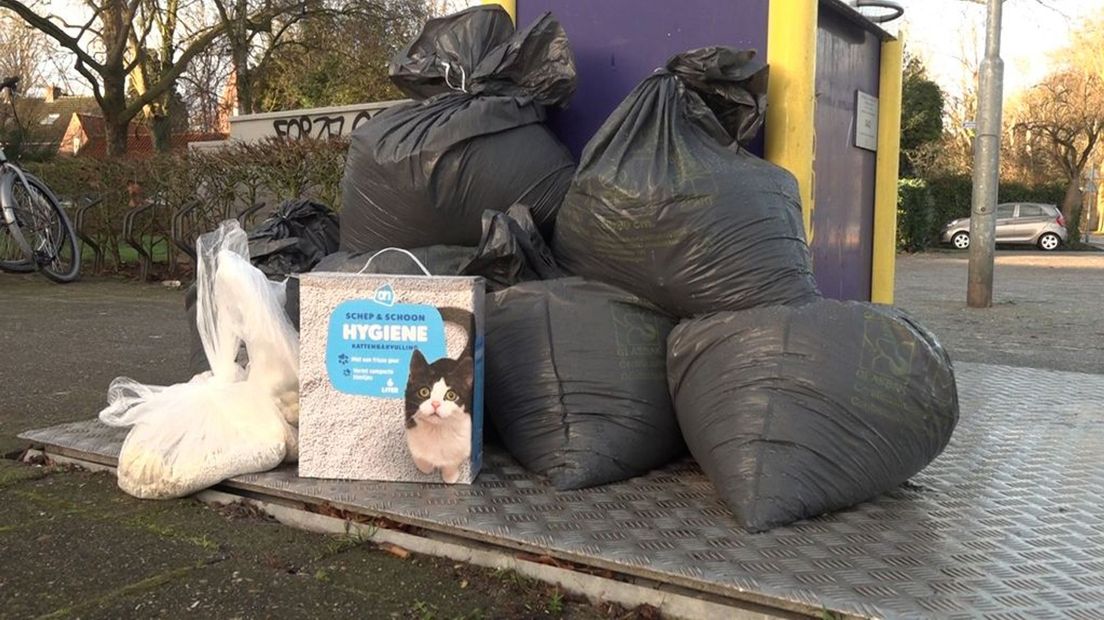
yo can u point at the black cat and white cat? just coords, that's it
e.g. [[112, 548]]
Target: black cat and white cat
[[438, 407]]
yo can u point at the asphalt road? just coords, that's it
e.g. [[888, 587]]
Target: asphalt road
[[1048, 308]]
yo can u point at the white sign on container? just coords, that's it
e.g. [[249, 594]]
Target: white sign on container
[[866, 121]]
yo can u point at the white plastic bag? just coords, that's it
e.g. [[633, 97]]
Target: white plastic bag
[[230, 420]]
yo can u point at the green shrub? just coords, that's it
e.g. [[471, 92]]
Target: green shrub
[[222, 182], [951, 198], [915, 216]]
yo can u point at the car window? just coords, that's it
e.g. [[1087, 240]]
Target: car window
[[1031, 211], [1005, 211]]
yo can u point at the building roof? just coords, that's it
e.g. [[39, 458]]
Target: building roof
[[139, 139], [46, 121]]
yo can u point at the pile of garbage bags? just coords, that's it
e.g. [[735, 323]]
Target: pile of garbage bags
[[473, 138], [656, 301], [666, 204]]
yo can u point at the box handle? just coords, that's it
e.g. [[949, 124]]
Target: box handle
[[412, 257]]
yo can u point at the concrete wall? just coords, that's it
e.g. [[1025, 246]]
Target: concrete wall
[[314, 122]]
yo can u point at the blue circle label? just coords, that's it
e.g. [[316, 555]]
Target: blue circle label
[[369, 344]]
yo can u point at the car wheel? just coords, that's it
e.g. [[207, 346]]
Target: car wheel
[[1049, 242], [961, 240]]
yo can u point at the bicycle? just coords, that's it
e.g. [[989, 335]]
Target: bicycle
[[35, 232]]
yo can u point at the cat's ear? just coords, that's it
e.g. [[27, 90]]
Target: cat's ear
[[418, 362], [465, 371]]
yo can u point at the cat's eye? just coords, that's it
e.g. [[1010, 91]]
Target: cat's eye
[[423, 393], [450, 395]]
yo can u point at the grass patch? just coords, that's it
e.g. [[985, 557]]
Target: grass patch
[[12, 473], [159, 251], [340, 544], [424, 611], [59, 506], [555, 604]]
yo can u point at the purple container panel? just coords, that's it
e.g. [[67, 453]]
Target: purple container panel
[[617, 43], [848, 59]]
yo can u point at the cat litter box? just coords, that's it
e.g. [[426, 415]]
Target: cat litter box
[[391, 377]]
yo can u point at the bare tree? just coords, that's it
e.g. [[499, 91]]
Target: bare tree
[[957, 152], [24, 52], [154, 60], [1063, 117], [1065, 113], [204, 86], [256, 45], [251, 42], [106, 54]]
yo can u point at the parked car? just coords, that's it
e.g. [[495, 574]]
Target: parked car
[[1027, 223]]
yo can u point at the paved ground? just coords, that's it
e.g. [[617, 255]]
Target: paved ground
[[1048, 309], [76, 546]]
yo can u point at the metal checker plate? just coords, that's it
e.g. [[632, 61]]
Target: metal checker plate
[[1007, 523]]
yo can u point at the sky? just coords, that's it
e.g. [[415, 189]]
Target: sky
[[940, 30]]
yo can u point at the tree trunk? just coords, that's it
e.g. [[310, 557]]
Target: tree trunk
[[116, 136], [245, 94], [243, 83], [1071, 210], [112, 106], [161, 128]]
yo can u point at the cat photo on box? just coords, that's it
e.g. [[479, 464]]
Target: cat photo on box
[[438, 409], [391, 377]]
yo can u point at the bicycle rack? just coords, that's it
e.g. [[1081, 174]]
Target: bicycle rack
[[247, 214], [180, 237], [177, 229], [78, 224], [145, 258]]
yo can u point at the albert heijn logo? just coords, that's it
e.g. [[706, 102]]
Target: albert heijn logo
[[385, 295]]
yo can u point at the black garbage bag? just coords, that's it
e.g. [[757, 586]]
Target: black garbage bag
[[422, 173], [668, 205], [511, 251], [294, 238], [794, 411], [575, 381]]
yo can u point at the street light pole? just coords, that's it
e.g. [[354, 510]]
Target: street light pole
[[983, 222]]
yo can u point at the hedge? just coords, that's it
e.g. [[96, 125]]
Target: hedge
[[942, 199], [225, 182], [915, 215]]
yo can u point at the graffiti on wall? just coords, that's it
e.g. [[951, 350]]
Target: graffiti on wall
[[320, 126]]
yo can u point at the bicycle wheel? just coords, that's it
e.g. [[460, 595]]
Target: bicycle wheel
[[43, 225], [12, 256], [14, 251]]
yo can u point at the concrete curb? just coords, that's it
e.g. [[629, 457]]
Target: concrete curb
[[672, 602]]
